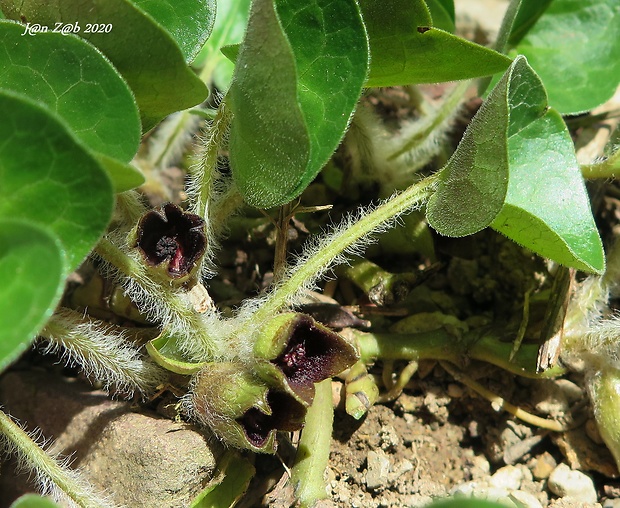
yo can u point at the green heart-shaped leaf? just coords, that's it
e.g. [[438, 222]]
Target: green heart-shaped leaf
[[473, 184], [575, 48], [32, 273], [543, 205], [406, 49], [141, 50], [76, 81], [49, 178], [298, 76], [547, 208], [189, 22]]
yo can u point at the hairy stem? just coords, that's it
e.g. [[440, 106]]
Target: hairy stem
[[172, 306], [46, 467], [103, 351], [445, 111], [328, 251], [206, 169]]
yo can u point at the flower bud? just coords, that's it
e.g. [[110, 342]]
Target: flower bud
[[241, 409], [301, 352], [171, 241]]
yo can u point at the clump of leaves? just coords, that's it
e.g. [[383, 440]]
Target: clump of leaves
[[77, 106]]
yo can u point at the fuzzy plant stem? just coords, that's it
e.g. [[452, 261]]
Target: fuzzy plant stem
[[609, 168], [180, 312], [433, 121], [329, 251], [102, 350], [308, 472], [205, 171], [46, 468], [441, 345]]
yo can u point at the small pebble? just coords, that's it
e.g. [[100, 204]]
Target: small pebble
[[378, 469], [545, 463], [526, 499], [455, 391], [507, 477], [564, 482]]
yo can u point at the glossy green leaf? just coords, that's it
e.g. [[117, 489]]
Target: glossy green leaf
[[141, 50], [527, 15], [238, 471], [298, 77], [405, 49], [230, 23], [575, 48], [547, 207], [189, 22], [77, 82], [442, 13], [48, 177], [32, 273], [165, 352]]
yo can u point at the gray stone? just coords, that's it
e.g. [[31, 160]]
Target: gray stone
[[566, 483], [138, 458], [507, 477], [378, 469]]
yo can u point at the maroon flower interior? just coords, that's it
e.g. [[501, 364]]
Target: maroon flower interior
[[287, 415], [312, 354], [173, 236]]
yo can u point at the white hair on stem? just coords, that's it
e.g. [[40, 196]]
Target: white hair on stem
[[51, 472], [320, 254], [103, 351]]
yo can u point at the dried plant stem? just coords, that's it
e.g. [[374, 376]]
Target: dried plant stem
[[52, 474], [500, 403]]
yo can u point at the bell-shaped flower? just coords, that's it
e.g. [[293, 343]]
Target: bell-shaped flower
[[172, 241], [241, 409], [299, 352]]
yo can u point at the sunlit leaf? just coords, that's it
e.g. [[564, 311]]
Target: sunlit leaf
[[189, 22], [49, 178], [298, 76], [76, 81], [32, 271], [575, 48], [140, 49], [405, 49]]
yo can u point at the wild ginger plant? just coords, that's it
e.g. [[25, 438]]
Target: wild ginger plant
[[91, 116]]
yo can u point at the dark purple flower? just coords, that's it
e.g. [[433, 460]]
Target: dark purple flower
[[287, 414], [304, 352], [243, 410], [173, 237]]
